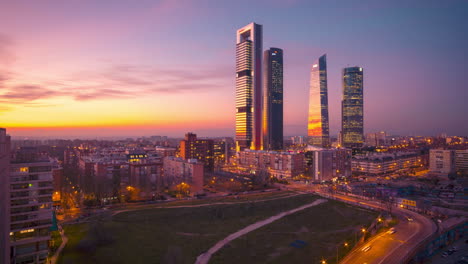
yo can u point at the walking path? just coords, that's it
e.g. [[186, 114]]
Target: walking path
[[205, 257], [54, 258]]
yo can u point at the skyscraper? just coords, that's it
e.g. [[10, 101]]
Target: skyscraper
[[317, 128], [352, 108], [249, 87], [273, 99]]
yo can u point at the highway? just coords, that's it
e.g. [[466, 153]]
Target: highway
[[387, 248]]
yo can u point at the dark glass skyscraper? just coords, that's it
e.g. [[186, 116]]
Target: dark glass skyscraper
[[249, 87], [352, 108], [273, 99], [318, 127]]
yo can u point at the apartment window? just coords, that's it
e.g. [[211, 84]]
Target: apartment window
[[40, 169], [25, 249]]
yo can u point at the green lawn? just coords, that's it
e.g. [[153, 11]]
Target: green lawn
[[70, 254], [323, 228], [165, 235], [179, 235], [223, 199], [55, 242]]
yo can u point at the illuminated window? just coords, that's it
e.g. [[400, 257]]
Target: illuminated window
[[26, 231]]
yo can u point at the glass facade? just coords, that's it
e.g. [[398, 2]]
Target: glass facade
[[249, 87], [318, 127], [273, 99], [352, 108]]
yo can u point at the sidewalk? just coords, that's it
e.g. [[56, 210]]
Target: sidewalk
[[54, 258]]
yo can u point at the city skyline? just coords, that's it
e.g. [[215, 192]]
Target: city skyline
[[110, 88]]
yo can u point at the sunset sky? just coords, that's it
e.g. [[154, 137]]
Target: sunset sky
[[134, 68]]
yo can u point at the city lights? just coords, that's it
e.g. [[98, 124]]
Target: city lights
[[177, 131]]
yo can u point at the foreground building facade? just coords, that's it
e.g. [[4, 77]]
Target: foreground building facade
[[273, 99], [4, 197], [352, 108], [249, 87], [31, 206]]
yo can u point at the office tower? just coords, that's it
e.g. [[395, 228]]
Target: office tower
[[249, 87], [273, 99], [4, 196], [352, 108], [31, 206], [317, 128], [201, 149]]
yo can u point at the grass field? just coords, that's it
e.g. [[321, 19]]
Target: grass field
[[55, 241], [324, 229], [166, 235], [223, 199]]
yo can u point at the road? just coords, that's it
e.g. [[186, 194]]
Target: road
[[384, 248], [391, 248]]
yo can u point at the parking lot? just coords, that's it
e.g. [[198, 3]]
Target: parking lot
[[459, 256]]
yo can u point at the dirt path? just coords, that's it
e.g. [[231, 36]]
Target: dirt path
[[205, 257], [54, 258]]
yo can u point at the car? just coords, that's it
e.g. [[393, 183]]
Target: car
[[366, 248], [391, 230], [409, 219], [445, 254]]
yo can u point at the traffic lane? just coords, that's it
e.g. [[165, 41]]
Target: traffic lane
[[383, 245], [409, 233], [423, 228], [379, 246], [404, 242]]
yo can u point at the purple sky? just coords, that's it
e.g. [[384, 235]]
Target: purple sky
[[108, 68]]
